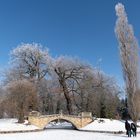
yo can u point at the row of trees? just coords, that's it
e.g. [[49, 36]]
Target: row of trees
[[36, 81]]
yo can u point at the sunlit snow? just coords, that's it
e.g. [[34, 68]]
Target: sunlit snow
[[61, 134]]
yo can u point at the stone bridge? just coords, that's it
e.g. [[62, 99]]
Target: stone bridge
[[41, 121]]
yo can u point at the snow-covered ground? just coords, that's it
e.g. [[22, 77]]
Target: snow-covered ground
[[12, 125], [65, 135], [107, 125], [60, 134]]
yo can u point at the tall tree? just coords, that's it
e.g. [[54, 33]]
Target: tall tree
[[69, 71], [129, 59], [31, 60]]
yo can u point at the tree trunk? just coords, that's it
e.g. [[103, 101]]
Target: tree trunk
[[21, 114], [67, 97]]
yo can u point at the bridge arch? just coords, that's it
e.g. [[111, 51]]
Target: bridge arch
[[65, 120]]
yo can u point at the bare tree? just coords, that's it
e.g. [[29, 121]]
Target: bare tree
[[31, 60], [69, 71], [22, 97], [129, 58], [103, 95]]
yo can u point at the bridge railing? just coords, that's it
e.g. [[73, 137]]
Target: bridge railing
[[60, 115], [81, 115]]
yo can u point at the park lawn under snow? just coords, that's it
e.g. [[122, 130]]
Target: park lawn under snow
[[12, 125], [108, 125], [57, 134]]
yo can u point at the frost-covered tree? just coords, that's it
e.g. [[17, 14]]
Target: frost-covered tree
[[31, 60], [69, 71], [128, 47]]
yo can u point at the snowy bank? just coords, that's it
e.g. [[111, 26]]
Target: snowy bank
[[12, 125], [106, 125]]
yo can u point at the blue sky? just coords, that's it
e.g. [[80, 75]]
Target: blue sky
[[83, 28]]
